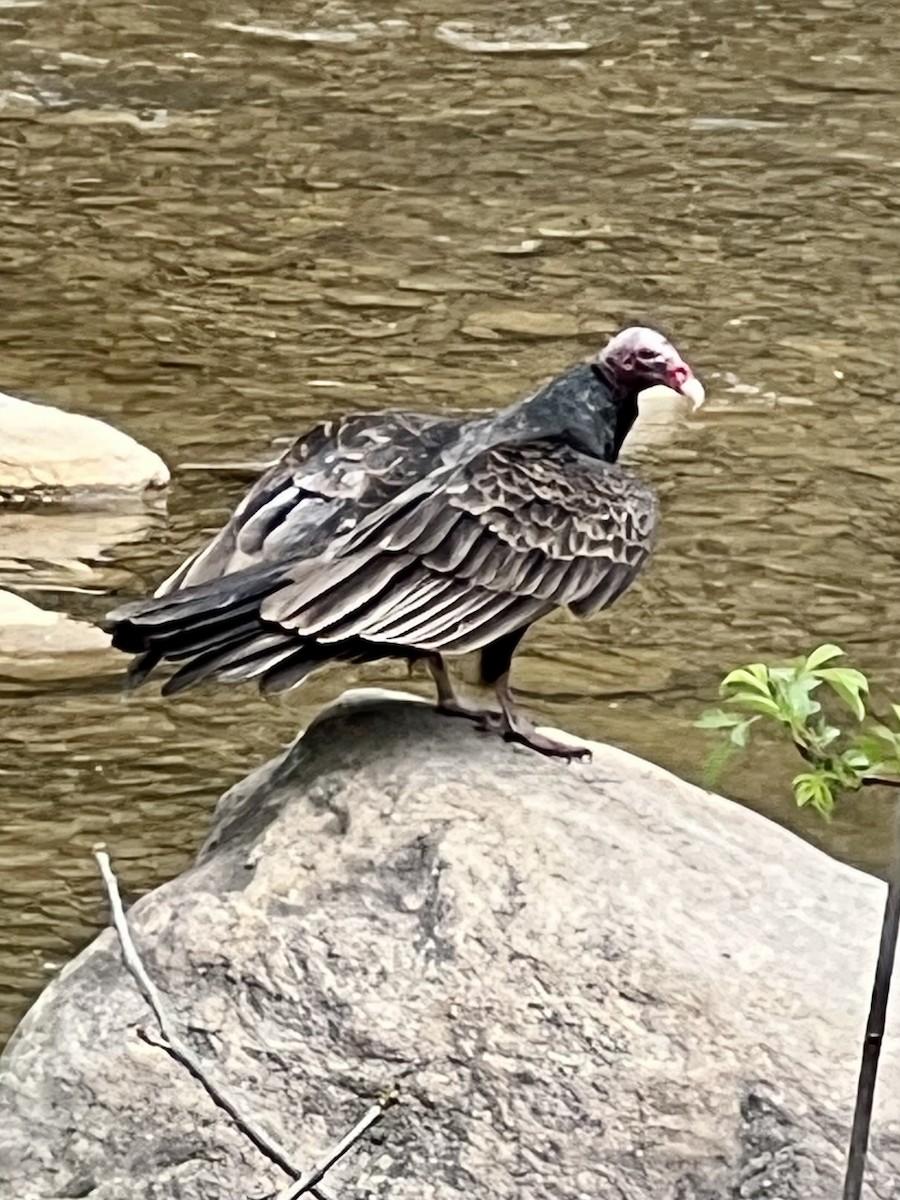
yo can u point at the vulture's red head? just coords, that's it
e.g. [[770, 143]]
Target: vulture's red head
[[639, 358]]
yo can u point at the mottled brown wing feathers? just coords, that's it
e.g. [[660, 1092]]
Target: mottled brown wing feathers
[[327, 592], [335, 472], [477, 551]]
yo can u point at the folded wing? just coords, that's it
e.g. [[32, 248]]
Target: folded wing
[[328, 479], [515, 532], [465, 554]]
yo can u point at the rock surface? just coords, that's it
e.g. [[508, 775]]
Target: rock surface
[[46, 451], [28, 633], [591, 981], [67, 544]]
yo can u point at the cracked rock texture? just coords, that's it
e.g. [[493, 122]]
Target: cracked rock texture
[[591, 981]]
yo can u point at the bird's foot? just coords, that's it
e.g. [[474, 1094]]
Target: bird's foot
[[514, 726], [509, 722], [456, 708]]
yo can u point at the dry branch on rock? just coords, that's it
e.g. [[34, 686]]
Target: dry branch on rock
[[176, 1048]]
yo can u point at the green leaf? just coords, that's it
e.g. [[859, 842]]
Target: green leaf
[[804, 788], [848, 685], [883, 753], [872, 746], [814, 788], [826, 734], [757, 703], [884, 733], [798, 698], [822, 654], [717, 718], [740, 735], [895, 708], [856, 759], [756, 676], [823, 801], [849, 676], [784, 674]]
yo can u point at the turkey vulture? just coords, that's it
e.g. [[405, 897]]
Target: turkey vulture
[[419, 537]]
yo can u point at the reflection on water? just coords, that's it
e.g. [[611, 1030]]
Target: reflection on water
[[224, 222]]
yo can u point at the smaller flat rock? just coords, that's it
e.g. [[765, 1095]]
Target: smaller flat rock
[[29, 633], [46, 451], [662, 414]]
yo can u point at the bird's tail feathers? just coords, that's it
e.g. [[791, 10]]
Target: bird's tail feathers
[[213, 628]]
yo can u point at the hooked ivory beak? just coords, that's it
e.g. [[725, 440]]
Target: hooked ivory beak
[[692, 389]]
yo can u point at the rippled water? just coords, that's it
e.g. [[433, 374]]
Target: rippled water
[[222, 222]]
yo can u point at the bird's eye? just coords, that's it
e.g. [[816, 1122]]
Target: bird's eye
[[646, 356]]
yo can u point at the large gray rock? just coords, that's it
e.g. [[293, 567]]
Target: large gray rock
[[45, 451], [592, 981]]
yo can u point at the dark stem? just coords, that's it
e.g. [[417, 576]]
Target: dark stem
[[881, 987]]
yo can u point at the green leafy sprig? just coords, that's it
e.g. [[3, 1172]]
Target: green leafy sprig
[[840, 758]]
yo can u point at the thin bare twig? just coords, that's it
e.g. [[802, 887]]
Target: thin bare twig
[[172, 1043], [371, 1117], [874, 1036]]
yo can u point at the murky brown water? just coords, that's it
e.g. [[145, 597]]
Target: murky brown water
[[221, 222]]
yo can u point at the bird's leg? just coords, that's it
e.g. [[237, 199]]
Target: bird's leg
[[515, 726], [448, 701]]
